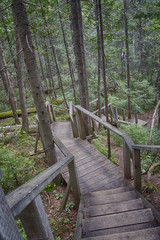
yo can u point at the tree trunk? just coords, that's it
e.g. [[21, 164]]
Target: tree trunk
[[78, 42], [55, 58], [49, 71], [41, 65], [32, 68], [69, 60], [20, 79], [104, 77], [141, 48], [8, 85], [99, 58], [127, 56]]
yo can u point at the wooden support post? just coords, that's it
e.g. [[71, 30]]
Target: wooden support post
[[35, 222], [75, 124], [81, 125], [116, 114], [37, 138], [124, 115], [137, 169], [74, 183], [8, 226], [63, 205], [126, 160], [136, 118], [53, 113]]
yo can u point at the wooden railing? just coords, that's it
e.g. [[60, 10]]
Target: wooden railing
[[115, 112], [130, 150], [26, 202]]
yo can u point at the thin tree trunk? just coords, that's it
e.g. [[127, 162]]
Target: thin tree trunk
[[69, 60], [8, 85], [9, 41], [55, 58], [99, 58], [104, 77], [30, 61], [127, 57], [141, 48], [49, 70], [41, 65], [20, 79]]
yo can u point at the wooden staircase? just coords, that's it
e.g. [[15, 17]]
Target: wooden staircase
[[117, 214]]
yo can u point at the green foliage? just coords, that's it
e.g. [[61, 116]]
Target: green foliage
[[21, 229], [51, 187], [138, 134], [150, 187], [15, 168], [99, 144]]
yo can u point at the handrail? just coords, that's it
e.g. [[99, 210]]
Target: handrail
[[20, 198], [154, 148], [107, 125]]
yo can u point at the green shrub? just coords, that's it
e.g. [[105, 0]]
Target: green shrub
[[15, 169]]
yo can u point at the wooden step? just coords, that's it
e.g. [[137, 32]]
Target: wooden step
[[133, 227], [109, 192], [145, 234], [112, 198], [111, 208], [117, 220]]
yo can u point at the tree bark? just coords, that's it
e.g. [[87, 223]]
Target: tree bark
[[77, 35], [127, 57], [141, 48], [104, 77], [20, 79], [99, 57], [32, 68], [8, 85], [69, 60]]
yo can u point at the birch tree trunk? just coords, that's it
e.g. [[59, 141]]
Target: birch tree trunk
[[32, 68], [8, 84]]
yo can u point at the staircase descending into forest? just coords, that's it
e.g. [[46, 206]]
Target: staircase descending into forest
[[110, 208]]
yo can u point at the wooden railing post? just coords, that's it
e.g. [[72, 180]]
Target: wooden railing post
[[53, 113], [126, 160], [136, 118], [81, 125], [137, 169], [74, 183], [35, 222], [124, 115], [8, 226]]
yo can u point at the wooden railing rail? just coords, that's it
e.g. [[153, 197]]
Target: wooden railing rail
[[26, 202], [137, 162]]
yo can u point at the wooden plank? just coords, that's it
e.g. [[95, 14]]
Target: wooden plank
[[113, 183], [116, 197], [145, 234], [154, 148], [109, 192], [111, 208], [117, 220], [133, 227]]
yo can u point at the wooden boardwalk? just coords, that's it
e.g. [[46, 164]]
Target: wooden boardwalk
[[109, 210], [94, 170]]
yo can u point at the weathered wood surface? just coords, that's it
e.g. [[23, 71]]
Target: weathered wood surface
[[94, 170], [147, 234]]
